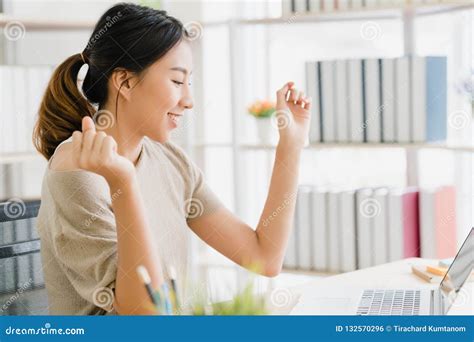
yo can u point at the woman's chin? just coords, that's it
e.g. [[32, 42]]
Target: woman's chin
[[161, 138]]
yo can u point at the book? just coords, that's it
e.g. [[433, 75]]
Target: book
[[357, 4], [364, 214], [340, 105], [287, 8], [387, 99], [347, 215], [327, 89], [312, 89], [328, 5], [315, 6], [402, 100], [429, 108], [380, 238], [8, 110], [356, 120], [19, 114], [334, 233], [319, 229], [303, 227], [438, 222], [300, 6], [372, 112], [403, 223], [291, 256]]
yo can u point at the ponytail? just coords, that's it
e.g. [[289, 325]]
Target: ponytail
[[62, 108]]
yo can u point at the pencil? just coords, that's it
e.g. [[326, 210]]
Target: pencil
[[168, 309], [172, 272], [145, 277]]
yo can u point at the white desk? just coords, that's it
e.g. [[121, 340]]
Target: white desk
[[333, 295]]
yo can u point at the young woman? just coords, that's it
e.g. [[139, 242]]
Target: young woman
[[120, 194]]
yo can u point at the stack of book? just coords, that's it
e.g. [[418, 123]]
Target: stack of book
[[291, 7], [341, 231], [21, 91], [392, 100], [21, 272]]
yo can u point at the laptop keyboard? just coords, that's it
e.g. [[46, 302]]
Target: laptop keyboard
[[389, 302]]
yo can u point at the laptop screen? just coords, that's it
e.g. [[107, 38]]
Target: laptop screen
[[458, 272]]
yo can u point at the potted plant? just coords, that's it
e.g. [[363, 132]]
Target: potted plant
[[263, 111]]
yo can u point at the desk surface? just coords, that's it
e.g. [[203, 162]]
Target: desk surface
[[322, 296]]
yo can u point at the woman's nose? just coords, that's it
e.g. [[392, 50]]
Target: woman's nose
[[187, 102]]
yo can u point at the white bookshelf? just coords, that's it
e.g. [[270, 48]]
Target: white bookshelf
[[46, 25], [405, 13], [377, 13], [19, 157]]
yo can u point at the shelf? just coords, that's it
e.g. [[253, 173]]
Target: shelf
[[11, 158], [47, 25], [18, 157], [321, 146], [308, 272], [379, 13]]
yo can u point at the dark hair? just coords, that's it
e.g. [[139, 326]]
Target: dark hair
[[127, 36]]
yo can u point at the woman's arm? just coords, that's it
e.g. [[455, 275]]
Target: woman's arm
[[264, 248], [97, 152]]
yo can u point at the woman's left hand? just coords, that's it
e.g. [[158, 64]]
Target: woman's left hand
[[292, 116]]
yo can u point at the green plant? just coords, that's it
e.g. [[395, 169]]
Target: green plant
[[261, 109], [244, 303]]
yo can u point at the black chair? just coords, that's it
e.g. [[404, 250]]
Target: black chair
[[22, 289]]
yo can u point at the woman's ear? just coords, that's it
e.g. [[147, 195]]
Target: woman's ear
[[122, 81]]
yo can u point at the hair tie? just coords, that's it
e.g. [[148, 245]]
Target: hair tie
[[83, 59]]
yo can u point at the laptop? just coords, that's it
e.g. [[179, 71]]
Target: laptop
[[350, 301]]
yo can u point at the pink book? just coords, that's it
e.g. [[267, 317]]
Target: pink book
[[445, 222], [411, 237], [403, 224], [438, 222]]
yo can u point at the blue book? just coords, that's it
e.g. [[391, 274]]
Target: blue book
[[429, 98]]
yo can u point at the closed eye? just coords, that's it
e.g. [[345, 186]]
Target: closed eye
[[178, 83]]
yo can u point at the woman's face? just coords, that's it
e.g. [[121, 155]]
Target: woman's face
[[160, 99]]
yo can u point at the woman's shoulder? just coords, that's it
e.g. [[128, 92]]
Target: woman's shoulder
[[68, 183], [170, 150]]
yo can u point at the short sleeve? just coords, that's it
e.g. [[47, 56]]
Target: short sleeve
[[84, 239], [203, 200]]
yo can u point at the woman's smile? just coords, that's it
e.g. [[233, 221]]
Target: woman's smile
[[174, 119]]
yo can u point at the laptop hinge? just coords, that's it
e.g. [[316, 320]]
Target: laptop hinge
[[432, 302]]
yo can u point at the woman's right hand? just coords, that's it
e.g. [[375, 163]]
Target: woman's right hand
[[97, 152]]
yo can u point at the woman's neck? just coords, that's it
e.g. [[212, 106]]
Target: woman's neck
[[129, 144]]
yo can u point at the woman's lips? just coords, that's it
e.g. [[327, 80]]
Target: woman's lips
[[174, 119]]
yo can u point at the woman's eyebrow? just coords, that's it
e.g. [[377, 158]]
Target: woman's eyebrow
[[183, 70]]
